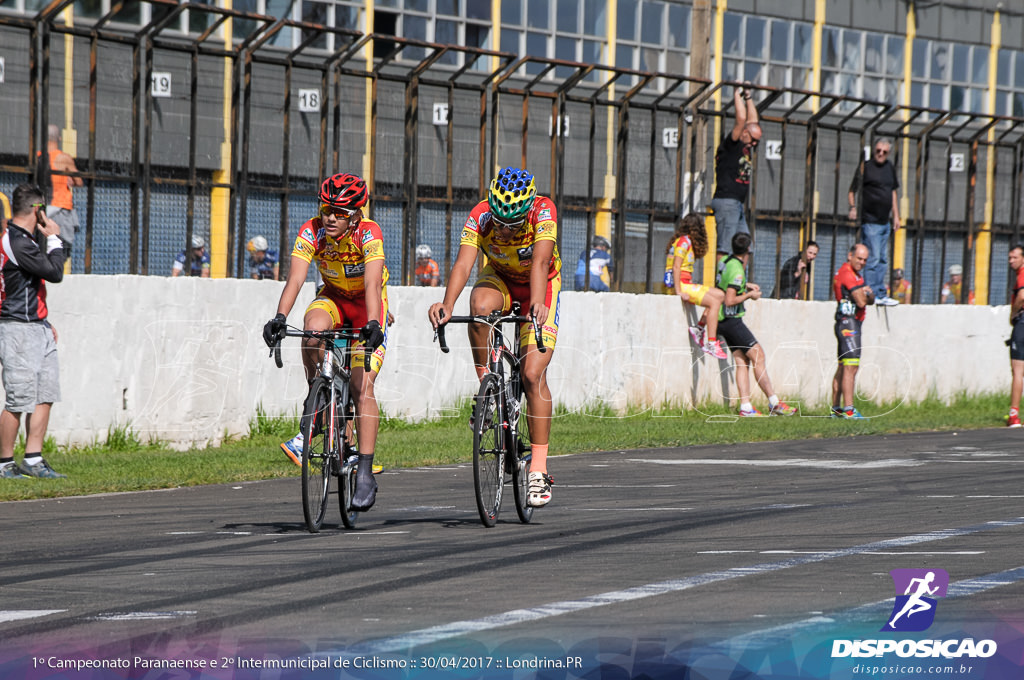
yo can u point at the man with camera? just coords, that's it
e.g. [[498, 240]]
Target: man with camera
[[33, 252]]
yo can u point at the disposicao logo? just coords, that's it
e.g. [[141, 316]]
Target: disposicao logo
[[916, 593]]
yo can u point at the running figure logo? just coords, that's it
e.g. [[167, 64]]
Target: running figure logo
[[916, 590]]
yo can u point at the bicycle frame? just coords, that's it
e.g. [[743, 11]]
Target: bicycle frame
[[335, 366], [500, 351]]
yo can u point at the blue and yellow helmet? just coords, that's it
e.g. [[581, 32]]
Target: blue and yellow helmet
[[511, 194]]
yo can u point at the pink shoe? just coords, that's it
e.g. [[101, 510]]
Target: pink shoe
[[697, 333], [714, 348]]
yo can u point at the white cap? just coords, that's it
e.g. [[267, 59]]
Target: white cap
[[955, 270]]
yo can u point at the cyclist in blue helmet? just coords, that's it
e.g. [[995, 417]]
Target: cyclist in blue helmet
[[517, 230]]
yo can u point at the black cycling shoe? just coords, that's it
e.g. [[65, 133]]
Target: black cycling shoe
[[366, 486]]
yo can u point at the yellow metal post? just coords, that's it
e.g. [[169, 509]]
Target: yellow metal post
[[603, 217], [220, 196], [709, 261], [983, 241], [899, 248], [69, 137], [368, 168]]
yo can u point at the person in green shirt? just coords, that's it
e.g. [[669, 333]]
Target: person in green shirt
[[746, 351]]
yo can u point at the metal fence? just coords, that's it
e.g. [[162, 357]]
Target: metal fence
[[621, 152]]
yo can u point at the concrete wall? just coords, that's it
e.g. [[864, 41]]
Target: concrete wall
[[183, 360]]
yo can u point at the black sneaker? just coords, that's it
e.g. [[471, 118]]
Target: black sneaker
[[42, 470]]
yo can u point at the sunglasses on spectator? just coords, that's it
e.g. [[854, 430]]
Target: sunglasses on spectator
[[341, 213], [512, 226], [882, 152]]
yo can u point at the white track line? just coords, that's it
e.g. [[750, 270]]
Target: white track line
[[19, 614], [837, 464], [517, 616]]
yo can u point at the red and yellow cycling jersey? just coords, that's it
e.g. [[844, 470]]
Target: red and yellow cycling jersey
[[683, 249], [512, 257], [342, 263]]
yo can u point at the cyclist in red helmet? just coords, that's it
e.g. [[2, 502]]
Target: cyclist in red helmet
[[349, 254]]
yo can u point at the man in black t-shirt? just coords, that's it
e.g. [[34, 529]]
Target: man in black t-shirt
[[876, 182], [734, 167]]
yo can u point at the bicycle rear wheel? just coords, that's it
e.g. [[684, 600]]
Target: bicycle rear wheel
[[317, 448], [519, 451], [488, 451], [347, 483]]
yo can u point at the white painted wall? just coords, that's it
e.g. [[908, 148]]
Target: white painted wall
[[183, 359]]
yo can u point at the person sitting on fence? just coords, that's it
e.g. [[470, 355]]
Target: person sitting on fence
[[689, 243]]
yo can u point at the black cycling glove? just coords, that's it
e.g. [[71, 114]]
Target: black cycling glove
[[372, 335], [273, 329]]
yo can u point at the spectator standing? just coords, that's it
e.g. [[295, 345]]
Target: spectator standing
[[795, 275], [746, 351], [62, 204], [263, 262], [200, 260], [1016, 341], [877, 184], [853, 296], [599, 260], [734, 167], [32, 253], [952, 288], [427, 271], [899, 287]]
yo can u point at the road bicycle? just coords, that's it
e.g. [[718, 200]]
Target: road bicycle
[[327, 417], [500, 441]]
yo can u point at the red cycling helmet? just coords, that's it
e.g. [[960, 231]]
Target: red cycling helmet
[[343, 191]]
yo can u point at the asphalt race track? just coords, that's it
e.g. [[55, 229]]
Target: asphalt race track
[[751, 557]]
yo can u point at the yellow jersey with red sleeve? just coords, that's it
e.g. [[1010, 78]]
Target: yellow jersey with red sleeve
[[341, 262], [683, 249], [688, 290], [512, 257]]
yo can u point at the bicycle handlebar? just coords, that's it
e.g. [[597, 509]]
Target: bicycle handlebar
[[493, 319], [331, 334]]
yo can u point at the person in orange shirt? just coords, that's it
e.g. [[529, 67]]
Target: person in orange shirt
[[427, 271], [62, 205]]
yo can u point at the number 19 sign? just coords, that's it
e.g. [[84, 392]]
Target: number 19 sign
[[160, 85]]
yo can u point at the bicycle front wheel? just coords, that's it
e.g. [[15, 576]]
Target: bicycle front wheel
[[317, 448], [488, 450], [347, 483], [519, 452]]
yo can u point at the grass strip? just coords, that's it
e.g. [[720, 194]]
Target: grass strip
[[124, 463]]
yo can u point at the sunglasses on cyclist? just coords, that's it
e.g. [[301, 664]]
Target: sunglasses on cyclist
[[341, 213], [511, 226]]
